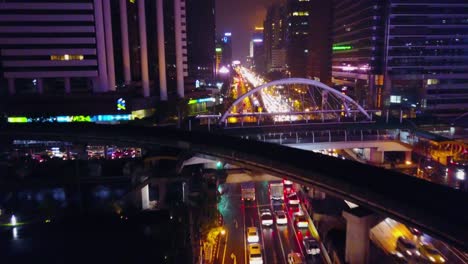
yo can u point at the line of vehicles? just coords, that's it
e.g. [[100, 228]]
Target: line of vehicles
[[408, 250], [279, 192]]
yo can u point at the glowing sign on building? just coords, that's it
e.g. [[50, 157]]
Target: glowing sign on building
[[344, 47], [219, 50], [121, 105], [227, 34], [201, 100], [71, 119]]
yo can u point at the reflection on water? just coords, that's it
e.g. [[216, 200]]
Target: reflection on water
[[29, 204]]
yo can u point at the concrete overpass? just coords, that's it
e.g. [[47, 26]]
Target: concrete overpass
[[438, 210]]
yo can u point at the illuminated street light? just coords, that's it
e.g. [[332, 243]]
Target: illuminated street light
[[460, 175], [13, 220]]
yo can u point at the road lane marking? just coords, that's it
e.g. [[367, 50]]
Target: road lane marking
[[261, 232], [225, 246], [245, 239], [279, 234], [233, 257]]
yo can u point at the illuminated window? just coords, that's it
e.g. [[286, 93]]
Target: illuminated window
[[432, 81], [395, 99], [305, 13], [66, 57]]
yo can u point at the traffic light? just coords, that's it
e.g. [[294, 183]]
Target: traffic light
[[219, 165]]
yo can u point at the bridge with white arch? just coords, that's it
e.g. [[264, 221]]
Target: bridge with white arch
[[293, 100]]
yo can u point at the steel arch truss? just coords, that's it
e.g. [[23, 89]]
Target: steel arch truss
[[294, 99]]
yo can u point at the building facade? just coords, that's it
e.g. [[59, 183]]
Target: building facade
[[297, 36], [95, 46], [319, 52], [404, 55], [274, 38], [358, 37], [427, 56]]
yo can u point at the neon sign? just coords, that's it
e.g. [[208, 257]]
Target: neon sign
[[121, 104], [344, 47], [201, 100], [71, 119]]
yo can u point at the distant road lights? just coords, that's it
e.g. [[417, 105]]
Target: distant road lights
[[460, 174], [223, 70]]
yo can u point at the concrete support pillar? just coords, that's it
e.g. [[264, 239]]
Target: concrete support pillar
[[162, 187], [11, 86], [40, 85], [178, 43], [161, 51], [109, 45], [103, 84], [376, 156], [125, 44], [145, 198], [67, 85], [359, 221], [143, 48], [408, 156]]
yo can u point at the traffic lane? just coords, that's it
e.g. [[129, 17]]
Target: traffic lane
[[251, 220], [272, 249], [230, 207]]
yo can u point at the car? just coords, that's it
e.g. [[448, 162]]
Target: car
[[255, 254], [294, 258], [288, 186], [311, 245], [397, 257], [295, 209], [416, 232], [407, 247], [301, 221], [252, 235], [281, 218], [266, 217], [293, 199], [430, 253]]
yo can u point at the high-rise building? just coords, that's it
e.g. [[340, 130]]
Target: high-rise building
[[274, 38], [404, 55], [298, 12], [318, 50], [44, 46], [427, 56], [358, 40], [226, 44], [257, 50], [99, 46]]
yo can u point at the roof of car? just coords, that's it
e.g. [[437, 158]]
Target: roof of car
[[255, 248]]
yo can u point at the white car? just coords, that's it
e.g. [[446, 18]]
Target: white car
[[266, 217], [293, 199], [252, 235], [255, 254], [281, 218]]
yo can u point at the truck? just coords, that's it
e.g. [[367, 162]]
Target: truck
[[248, 191], [276, 190]]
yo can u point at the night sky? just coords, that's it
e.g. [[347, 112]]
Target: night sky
[[240, 17]]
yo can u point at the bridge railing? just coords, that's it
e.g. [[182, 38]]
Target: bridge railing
[[325, 136]]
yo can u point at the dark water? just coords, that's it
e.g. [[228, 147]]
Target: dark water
[[63, 225]]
